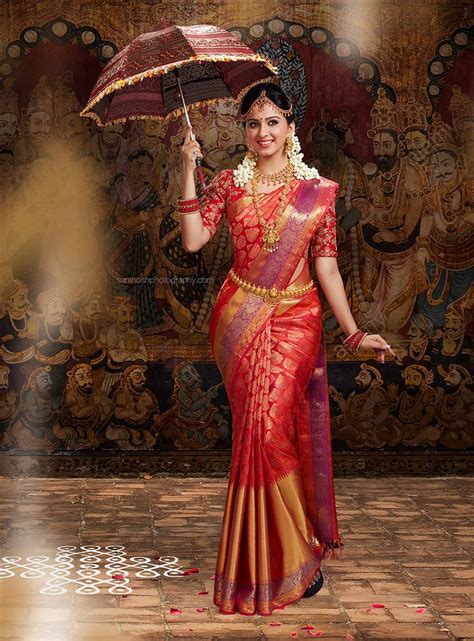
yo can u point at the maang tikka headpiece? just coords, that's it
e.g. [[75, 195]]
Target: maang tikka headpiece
[[260, 103]]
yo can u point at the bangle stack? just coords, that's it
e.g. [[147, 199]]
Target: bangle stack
[[190, 206], [353, 341]]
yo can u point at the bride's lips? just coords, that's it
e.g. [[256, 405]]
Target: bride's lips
[[264, 143]]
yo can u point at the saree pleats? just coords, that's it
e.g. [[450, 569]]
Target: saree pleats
[[268, 552]]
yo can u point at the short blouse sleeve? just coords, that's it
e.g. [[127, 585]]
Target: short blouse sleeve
[[323, 243], [213, 203]]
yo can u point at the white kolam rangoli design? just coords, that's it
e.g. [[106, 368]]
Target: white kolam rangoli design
[[88, 569]]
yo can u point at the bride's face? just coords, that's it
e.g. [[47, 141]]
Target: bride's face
[[266, 131]]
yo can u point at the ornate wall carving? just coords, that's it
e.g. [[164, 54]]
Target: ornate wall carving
[[104, 317]]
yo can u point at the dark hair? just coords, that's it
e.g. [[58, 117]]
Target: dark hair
[[273, 92], [140, 152], [4, 151]]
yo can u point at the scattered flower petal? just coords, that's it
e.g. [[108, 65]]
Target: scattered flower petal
[[118, 577], [294, 634], [349, 637], [191, 571], [175, 611], [200, 610], [308, 627], [274, 624], [420, 610], [213, 577], [202, 593], [313, 634], [378, 605]]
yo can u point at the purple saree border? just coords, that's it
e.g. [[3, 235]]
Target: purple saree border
[[301, 209], [320, 429], [245, 315]]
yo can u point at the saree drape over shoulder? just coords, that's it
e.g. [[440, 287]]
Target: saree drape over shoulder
[[279, 520]]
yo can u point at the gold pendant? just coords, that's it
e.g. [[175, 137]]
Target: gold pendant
[[273, 296], [270, 239]]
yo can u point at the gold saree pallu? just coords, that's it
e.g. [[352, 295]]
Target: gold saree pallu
[[279, 519]]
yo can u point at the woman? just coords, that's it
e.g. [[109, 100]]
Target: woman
[[265, 330]]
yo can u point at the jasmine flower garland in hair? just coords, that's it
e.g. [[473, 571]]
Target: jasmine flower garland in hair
[[301, 170], [244, 172]]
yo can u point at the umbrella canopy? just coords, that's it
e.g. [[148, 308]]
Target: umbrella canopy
[[139, 81]]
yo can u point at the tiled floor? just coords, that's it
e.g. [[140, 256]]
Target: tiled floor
[[408, 547]]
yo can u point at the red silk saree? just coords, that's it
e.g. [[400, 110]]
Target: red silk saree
[[280, 519]]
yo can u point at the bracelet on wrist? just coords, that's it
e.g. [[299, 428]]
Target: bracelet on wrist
[[188, 206], [354, 341], [187, 202]]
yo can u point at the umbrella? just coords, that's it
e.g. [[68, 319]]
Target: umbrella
[[157, 72]]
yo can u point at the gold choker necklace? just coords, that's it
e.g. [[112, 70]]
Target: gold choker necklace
[[272, 179]]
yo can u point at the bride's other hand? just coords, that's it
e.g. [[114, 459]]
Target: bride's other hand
[[378, 344]]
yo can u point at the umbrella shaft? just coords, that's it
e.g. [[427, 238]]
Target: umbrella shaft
[[186, 115]]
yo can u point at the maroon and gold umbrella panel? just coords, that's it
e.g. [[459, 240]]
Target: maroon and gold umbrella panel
[[139, 81]]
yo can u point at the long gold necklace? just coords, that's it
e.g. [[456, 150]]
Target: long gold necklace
[[271, 236]]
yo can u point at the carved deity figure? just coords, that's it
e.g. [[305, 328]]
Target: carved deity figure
[[32, 426], [135, 411], [9, 119], [365, 411], [415, 407], [7, 399], [390, 226], [84, 411], [122, 342], [36, 124], [19, 324], [456, 407], [446, 242], [193, 421]]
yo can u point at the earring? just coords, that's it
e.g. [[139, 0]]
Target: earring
[[252, 154]]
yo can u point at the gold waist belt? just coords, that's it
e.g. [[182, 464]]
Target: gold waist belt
[[271, 295]]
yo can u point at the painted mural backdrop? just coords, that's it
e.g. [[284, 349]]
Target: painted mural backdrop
[[104, 317]]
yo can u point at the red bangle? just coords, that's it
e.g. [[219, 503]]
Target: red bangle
[[190, 202], [190, 206], [353, 341]]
